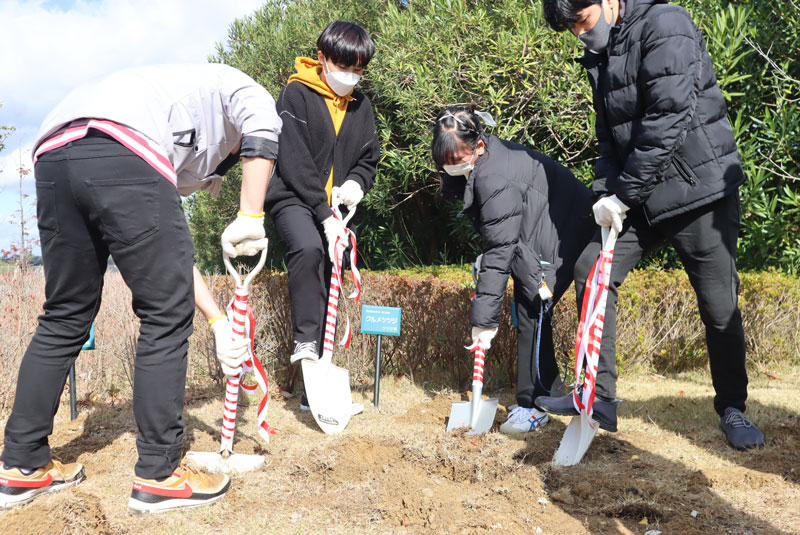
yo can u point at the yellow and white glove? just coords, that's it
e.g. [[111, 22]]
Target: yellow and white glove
[[350, 194], [610, 211], [333, 228], [244, 236], [230, 353], [484, 335]]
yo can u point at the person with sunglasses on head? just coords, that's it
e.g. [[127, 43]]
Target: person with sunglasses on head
[[533, 217], [668, 171], [329, 139]]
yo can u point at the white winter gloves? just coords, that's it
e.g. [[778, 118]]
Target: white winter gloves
[[484, 335], [610, 211], [245, 236], [231, 353], [333, 228], [350, 194]]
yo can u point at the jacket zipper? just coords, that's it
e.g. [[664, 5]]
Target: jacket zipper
[[681, 167]]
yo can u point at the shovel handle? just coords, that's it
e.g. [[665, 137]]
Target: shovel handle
[[478, 366], [609, 236], [235, 273]]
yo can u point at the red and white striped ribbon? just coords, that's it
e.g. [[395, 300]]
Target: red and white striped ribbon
[[150, 152], [590, 331], [480, 362], [243, 325], [336, 287]]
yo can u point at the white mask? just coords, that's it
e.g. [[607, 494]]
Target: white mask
[[459, 169], [341, 82]]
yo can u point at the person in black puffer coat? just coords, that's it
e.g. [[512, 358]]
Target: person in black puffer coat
[[534, 218], [668, 171]]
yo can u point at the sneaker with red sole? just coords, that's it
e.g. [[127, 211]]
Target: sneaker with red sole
[[21, 486], [188, 486]]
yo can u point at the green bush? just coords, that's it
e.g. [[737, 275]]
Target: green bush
[[502, 56], [659, 328]]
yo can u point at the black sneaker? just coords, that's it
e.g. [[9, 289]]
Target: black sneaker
[[603, 410], [304, 351], [741, 432]]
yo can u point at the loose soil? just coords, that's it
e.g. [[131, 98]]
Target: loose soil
[[395, 470]]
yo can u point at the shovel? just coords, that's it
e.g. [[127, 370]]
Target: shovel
[[582, 428], [477, 414], [225, 461], [327, 385]]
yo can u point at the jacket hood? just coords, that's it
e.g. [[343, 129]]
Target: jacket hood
[[308, 73]]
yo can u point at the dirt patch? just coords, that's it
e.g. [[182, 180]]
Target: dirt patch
[[396, 471], [65, 513]]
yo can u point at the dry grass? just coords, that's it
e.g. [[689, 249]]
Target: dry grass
[[395, 470]]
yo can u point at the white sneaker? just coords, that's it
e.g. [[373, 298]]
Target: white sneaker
[[522, 420], [304, 351]]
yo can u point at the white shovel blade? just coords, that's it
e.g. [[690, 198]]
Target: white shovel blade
[[235, 463], [576, 440], [461, 415], [328, 392]]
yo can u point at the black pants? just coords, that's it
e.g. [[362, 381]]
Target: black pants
[[309, 271], [533, 382], [705, 240], [96, 198]]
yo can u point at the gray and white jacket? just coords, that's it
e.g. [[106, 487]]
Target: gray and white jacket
[[194, 114]]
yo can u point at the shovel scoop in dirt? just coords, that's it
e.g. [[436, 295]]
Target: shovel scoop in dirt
[[327, 385], [478, 414], [243, 323], [582, 428]]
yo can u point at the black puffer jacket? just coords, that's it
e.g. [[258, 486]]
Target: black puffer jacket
[[523, 205], [666, 144]]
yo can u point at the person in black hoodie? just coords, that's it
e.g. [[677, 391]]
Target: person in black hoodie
[[534, 219], [668, 171], [329, 139]]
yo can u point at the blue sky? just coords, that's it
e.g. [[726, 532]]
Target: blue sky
[[50, 46]]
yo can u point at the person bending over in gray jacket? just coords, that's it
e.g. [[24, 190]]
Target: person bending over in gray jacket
[[534, 218], [668, 161]]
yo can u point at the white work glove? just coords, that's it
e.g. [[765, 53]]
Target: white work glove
[[350, 194], [230, 353], [610, 211], [333, 228], [244, 236], [484, 335]]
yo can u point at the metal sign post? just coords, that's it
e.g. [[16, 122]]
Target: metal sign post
[[380, 321]]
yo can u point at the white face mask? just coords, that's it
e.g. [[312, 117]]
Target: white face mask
[[461, 169], [341, 82]]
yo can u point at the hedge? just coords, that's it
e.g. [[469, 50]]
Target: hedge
[[659, 327]]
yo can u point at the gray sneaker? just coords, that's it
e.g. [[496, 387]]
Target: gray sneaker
[[741, 432], [304, 351]]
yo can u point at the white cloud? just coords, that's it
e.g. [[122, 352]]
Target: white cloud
[[50, 47]]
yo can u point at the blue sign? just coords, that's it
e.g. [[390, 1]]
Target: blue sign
[[90, 342], [380, 320]]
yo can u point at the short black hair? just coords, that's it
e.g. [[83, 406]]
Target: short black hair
[[455, 126], [563, 14], [346, 44]]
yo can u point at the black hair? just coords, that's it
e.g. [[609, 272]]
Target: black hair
[[563, 14], [346, 43], [454, 127]]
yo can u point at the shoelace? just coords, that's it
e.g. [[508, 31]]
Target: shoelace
[[737, 419], [305, 346], [520, 414], [191, 469]]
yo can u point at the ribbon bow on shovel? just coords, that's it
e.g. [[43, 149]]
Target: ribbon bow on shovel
[[582, 429], [327, 385], [243, 325]]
